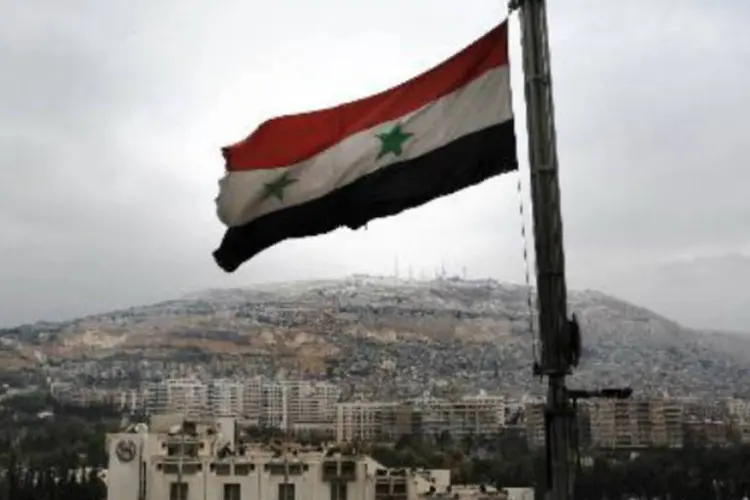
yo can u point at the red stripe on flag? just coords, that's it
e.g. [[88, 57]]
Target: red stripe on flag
[[290, 139]]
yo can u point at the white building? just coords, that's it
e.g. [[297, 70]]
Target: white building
[[295, 405], [471, 415], [299, 405], [252, 399], [208, 462], [226, 397], [360, 420]]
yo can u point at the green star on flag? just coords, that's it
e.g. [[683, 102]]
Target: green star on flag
[[393, 141], [276, 188], [370, 158]]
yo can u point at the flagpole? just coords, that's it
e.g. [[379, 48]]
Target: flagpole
[[556, 332]]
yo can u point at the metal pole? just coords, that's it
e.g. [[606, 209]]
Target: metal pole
[[179, 464], [182, 454], [548, 239]]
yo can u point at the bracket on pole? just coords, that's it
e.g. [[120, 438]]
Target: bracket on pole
[[570, 351]]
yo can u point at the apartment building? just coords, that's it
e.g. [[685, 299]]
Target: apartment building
[[252, 400], [632, 424], [289, 405], [226, 397], [274, 404], [130, 400], [310, 406], [361, 420], [470, 416], [188, 396], [739, 414], [534, 420], [401, 419], [617, 424], [706, 432]]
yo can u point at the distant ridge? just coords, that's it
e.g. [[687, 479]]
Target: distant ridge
[[446, 333]]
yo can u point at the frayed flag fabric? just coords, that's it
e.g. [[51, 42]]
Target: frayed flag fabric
[[307, 174]]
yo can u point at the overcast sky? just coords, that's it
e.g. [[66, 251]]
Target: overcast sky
[[112, 115]]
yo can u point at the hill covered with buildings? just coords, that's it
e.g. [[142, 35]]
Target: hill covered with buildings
[[381, 338]]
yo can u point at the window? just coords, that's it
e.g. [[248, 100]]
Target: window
[[232, 491], [276, 469], [295, 469], [338, 491], [188, 450], [221, 469], [171, 469], [178, 491], [243, 469], [187, 468], [286, 491]]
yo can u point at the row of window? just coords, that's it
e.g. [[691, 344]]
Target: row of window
[[348, 469], [225, 469], [233, 491]]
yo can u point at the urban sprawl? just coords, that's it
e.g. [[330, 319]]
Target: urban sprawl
[[304, 408]]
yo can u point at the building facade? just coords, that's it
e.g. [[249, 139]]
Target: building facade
[[210, 461], [618, 424]]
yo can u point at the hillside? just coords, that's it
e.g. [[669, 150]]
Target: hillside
[[390, 337]]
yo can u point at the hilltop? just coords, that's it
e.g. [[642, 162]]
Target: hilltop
[[394, 336]]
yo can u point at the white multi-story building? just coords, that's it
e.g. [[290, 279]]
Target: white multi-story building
[[471, 415], [299, 405], [188, 396], [226, 397], [131, 400], [462, 418], [360, 421], [252, 399], [311, 403], [274, 404], [182, 461], [288, 405]]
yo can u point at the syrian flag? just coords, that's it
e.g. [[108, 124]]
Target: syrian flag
[[308, 174]]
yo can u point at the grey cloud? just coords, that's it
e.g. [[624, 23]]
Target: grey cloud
[[112, 114]]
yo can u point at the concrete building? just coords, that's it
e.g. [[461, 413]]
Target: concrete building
[[252, 400], [388, 421], [472, 415], [226, 397], [629, 424], [617, 424], [360, 421], [288, 405], [178, 395], [299, 405], [534, 420], [310, 404], [706, 432], [739, 415], [178, 460], [274, 404]]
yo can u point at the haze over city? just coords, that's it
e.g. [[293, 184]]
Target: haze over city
[[113, 115]]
